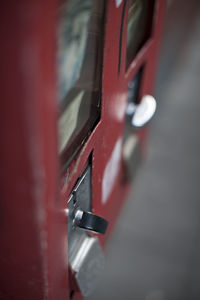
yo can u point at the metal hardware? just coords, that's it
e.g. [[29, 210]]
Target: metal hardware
[[131, 155], [79, 207], [90, 221], [143, 112], [87, 264], [86, 259]]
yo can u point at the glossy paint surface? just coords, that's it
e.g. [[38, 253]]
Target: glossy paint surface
[[108, 135], [109, 130], [33, 227], [33, 196]]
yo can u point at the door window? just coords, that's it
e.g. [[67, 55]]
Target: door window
[[79, 72], [140, 18]]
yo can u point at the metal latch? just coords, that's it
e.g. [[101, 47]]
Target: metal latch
[[86, 259], [143, 112]]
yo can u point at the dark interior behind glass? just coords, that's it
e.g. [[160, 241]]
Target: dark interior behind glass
[[140, 19]]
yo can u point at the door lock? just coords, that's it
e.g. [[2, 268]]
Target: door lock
[[89, 221], [85, 256]]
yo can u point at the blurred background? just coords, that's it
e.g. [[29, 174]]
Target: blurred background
[[154, 251]]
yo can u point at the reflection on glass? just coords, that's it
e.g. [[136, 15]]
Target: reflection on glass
[[69, 120], [73, 33], [140, 16], [79, 71]]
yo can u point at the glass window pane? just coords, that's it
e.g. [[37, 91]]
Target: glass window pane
[[140, 17], [79, 71]]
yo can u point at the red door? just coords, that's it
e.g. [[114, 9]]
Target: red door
[[73, 78]]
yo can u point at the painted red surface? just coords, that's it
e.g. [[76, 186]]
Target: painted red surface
[[114, 97], [33, 230], [33, 225]]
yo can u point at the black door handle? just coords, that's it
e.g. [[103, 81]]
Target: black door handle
[[90, 221]]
